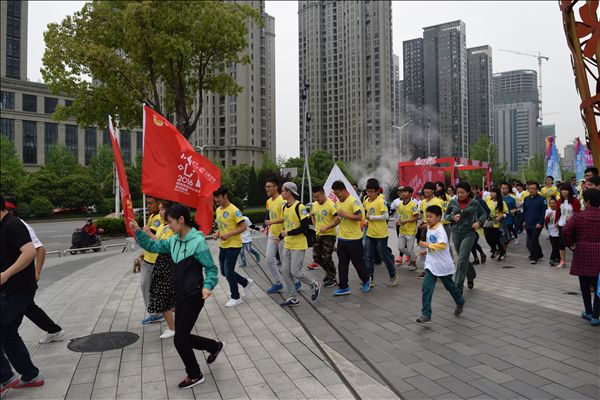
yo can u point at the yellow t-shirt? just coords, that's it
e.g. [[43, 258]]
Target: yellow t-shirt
[[406, 212], [228, 220], [550, 193], [154, 222], [349, 229], [275, 209], [494, 212], [324, 215], [290, 222], [376, 229], [433, 202], [163, 232]]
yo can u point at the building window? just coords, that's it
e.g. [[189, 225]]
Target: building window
[[29, 102], [13, 40], [50, 135], [89, 144], [68, 103], [29, 142], [71, 138], [7, 100], [126, 145], [7, 128], [139, 141], [106, 137], [50, 104]]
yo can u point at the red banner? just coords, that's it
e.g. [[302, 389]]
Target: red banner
[[123, 185], [173, 170], [416, 176]]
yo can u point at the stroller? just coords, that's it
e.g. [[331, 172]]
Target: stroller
[[82, 240]]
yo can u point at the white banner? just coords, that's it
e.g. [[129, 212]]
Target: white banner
[[336, 174]]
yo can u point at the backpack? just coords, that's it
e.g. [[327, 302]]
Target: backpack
[[311, 234]]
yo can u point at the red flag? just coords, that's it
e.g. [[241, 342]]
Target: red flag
[[173, 170], [123, 185]]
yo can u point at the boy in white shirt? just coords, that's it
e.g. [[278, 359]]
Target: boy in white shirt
[[247, 243], [553, 232], [438, 264]]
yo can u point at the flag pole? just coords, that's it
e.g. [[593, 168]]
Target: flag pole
[[117, 190], [143, 141]]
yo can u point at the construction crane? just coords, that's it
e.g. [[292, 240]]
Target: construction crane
[[540, 58]]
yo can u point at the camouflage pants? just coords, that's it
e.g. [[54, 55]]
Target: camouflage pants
[[322, 250]]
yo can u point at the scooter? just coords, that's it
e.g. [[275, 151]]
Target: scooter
[[82, 239]]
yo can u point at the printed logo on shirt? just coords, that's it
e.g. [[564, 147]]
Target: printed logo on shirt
[[415, 209], [356, 202], [156, 223], [324, 212], [225, 214], [304, 212], [372, 210], [238, 213], [432, 239]]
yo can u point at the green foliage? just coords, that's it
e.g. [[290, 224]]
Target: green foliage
[[101, 164], [255, 190], [534, 170], [79, 190], [41, 182], [484, 150], [106, 206], [11, 168], [61, 161], [257, 216], [134, 50], [40, 207], [235, 179], [134, 178], [111, 226]]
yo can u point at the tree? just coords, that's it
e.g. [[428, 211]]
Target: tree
[[42, 182], [134, 51], [235, 179], [484, 150], [11, 168], [61, 161], [80, 190], [101, 168], [255, 190], [534, 170]]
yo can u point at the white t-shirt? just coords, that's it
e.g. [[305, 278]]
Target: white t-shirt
[[247, 234], [566, 210], [394, 208], [552, 228], [36, 242], [486, 194], [439, 262]]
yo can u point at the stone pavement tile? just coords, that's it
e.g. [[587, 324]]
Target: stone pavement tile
[[562, 379], [426, 385], [585, 376], [416, 395], [130, 368], [267, 366], [326, 376], [89, 360], [153, 374], [555, 365], [592, 391], [250, 376], [459, 359], [84, 375], [109, 364], [151, 359], [106, 379], [580, 364], [257, 353], [154, 390], [310, 361], [105, 393], [129, 396], [492, 361], [294, 370], [553, 354], [129, 384], [240, 361], [431, 358], [279, 382], [526, 390], [111, 354], [232, 349], [563, 392], [79, 391], [491, 373], [397, 369], [209, 385], [222, 372], [429, 370], [312, 388], [526, 376], [340, 392], [294, 394], [131, 354], [260, 392], [248, 341], [493, 389], [231, 389], [458, 387]]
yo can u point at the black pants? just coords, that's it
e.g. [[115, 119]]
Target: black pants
[[533, 243], [351, 250], [476, 248], [555, 242], [12, 350], [188, 309], [41, 319], [492, 237], [585, 284]]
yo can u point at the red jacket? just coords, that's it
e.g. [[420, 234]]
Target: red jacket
[[583, 231], [575, 204], [90, 229]]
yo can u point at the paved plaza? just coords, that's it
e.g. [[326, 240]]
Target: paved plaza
[[520, 336]]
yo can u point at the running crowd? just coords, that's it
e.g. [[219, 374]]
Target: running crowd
[[178, 272]]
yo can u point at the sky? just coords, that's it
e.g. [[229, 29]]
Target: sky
[[525, 26]]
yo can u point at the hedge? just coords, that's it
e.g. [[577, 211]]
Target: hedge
[[113, 226], [256, 216]]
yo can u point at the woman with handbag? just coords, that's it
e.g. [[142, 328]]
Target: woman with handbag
[[491, 228], [567, 206]]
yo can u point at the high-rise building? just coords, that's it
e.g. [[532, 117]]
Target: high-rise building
[[414, 98], [543, 132], [445, 88], [516, 113], [398, 119], [13, 39], [241, 129], [345, 55], [481, 100], [568, 160]]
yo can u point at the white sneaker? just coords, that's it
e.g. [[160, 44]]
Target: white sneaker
[[167, 334], [51, 337], [248, 288], [234, 302]]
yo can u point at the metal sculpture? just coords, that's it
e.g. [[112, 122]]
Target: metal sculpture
[[583, 38]]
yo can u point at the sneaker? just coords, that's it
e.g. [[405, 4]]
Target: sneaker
[[313, 266], [51, 337], [167, 334], [459, 309], [424, 319], [366, 286], [276, 288], [421, 275], [561, 265], [246, 291], [298, 285], [552, 263], [329, 282], [393, 281], [533, 262], [493, 255], [483, 258], [10, 384], [470, 284], [243, 265], [593, 322], [346, 291], [398, 260], [213, 356], [476, 261], [291, 302], [516, 240], [188, 382], [587, 316], [316, 291], [412, 267], [150, 319], [501, 257], [35, 382], [234, 302], [257, 258], [406, 258], [372, 283]]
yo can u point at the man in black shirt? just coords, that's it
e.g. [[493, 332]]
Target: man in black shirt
[[17, 289]]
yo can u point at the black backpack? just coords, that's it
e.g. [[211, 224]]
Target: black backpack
[[311, 234]]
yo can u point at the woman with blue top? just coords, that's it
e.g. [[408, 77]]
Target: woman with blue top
[[190, 255]]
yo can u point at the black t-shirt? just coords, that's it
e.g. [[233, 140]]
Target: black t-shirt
[[13, 235]]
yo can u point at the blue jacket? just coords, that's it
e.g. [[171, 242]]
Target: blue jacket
[[534, 211], [511, 203]]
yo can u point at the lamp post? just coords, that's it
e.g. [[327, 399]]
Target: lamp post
[[200, 149], [399, 128], [428, 136], [306, 170]]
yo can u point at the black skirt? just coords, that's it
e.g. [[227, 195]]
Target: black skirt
[[162, 293]]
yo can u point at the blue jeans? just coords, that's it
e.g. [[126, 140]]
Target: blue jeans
[[13, 351], [247, 247], [227, 259], [378, 245], [429, 287]]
